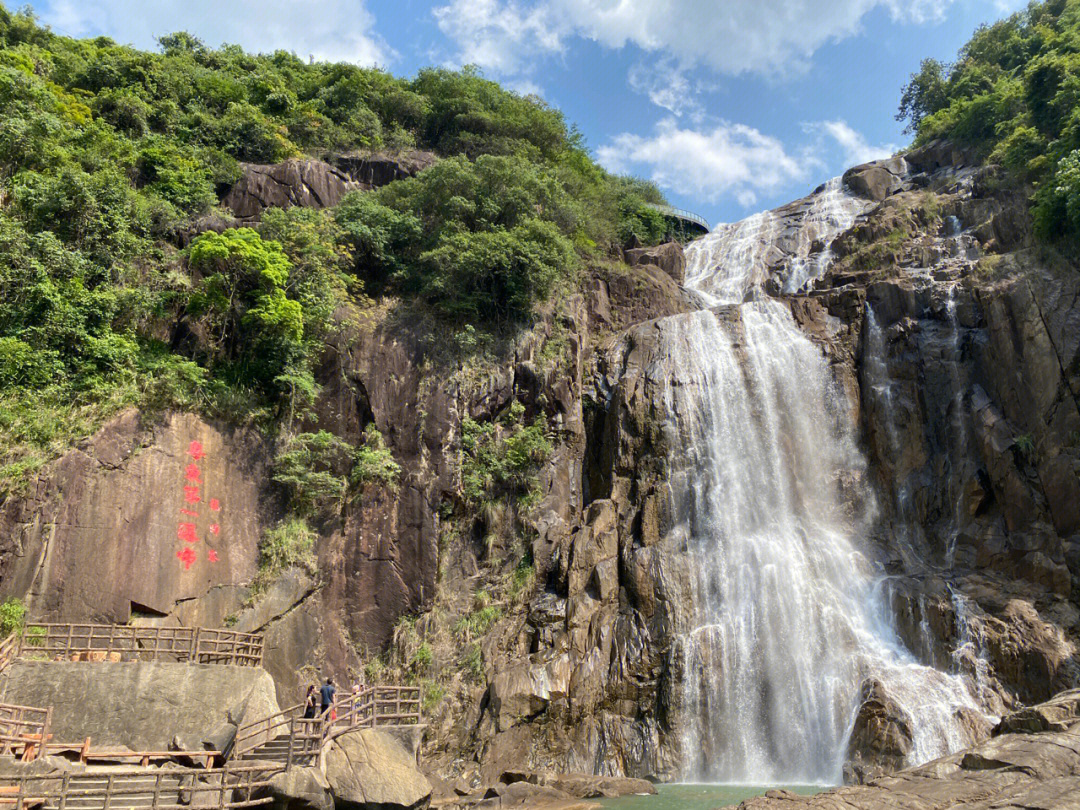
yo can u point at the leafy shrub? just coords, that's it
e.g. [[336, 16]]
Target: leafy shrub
[[422, 658], [12, 616], [472, 661], [1024, 446], [312, 469], [374, 463], [290, 543], [506, 455], [1012, 96], [433, 694]]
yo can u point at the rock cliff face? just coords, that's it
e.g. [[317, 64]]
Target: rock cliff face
[[956, 343], [141, 706]]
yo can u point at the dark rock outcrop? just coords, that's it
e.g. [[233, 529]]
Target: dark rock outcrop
[[304, 182], [881, 738], [370, 171]]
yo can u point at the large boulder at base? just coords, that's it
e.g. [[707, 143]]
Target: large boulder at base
[[142, 706], [584, 785], [370, 770], [309, 183], [301, 789], [881, 738], [1057, 714], [1033, 771]]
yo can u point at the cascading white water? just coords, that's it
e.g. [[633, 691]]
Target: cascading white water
[[788, 620], [749, 250]]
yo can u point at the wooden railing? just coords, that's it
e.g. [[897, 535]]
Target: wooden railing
[[372, 707], [9, 650], [153, 789], [375, 706], [304, 733], [144, 758], [109, 642], [23, 730]]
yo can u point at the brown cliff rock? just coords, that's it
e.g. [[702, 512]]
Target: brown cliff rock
[[370, 171], [304, 182], [99, 533]]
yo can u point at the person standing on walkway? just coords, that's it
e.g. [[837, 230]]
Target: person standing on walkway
[[311, 700], [326, 695]]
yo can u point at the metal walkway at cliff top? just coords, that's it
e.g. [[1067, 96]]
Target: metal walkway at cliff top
[[685, 218]]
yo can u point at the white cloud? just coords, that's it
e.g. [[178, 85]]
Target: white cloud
[[709, 164], [667, 86], [338, 30], [737, 36], [852, 143]]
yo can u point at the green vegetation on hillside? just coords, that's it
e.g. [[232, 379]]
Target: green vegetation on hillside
[[110, 155], [1013, 95]]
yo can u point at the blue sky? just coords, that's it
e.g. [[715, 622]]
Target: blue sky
[[731, 106]]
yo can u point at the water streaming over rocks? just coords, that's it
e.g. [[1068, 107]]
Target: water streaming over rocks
[[790, 624]]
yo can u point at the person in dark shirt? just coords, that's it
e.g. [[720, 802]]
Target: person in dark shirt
[[326, 694], [309, 702]]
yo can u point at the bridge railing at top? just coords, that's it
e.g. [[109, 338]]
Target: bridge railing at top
[[680, 213], [50, 641]]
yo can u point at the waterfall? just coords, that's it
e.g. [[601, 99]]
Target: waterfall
[[789, 618]]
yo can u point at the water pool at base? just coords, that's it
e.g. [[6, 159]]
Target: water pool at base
[[700, 796]]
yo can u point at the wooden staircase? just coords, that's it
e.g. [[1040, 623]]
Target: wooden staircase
[[291, 739]]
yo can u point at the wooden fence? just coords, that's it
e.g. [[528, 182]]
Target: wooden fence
[[372, 707], [23, 730], [151, 789], [108, 642], [9, 650]]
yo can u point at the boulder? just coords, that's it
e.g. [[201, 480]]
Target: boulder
[[370, 770], [378, 169], [881, 738], [141, 706], [669, 257], [1058, 714], [308, 183], [521, 794], [876, 180], [1034, 771], [301, 789], [584, 785]]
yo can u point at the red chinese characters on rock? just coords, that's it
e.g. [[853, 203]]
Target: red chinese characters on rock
[[187, 531]]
